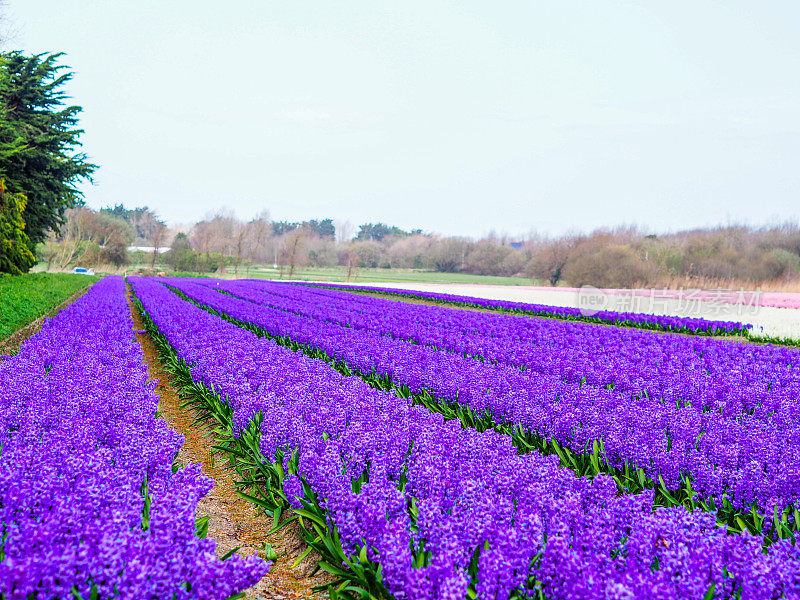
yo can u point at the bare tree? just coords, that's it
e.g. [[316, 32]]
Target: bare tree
[[549, 261], [9, 33], [370, 253], [214, 234], [344, 231], [158, 238], [410, 252], [145, 222], [241, 235], [448, 255], [607, 266], [200, 238], [294, 249], [353, 262], [67, 245], [222, 228], [322, 252], [88, 235], [259, 232]]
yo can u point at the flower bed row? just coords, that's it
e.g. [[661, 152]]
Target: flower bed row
[[90, 505], [702, 373], [442, 509], [623, 319], [742, 464]]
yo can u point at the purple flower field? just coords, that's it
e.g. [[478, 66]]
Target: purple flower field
[[419, 505], [625, 319], [89, 504], [460, 483], [719, 414]]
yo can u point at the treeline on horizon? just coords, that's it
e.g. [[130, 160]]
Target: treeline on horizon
[[43, 218], [724, 256]]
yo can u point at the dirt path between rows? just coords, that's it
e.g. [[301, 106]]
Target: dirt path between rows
[[12, 343], [233, 521]]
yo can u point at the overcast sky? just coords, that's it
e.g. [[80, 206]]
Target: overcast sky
[[458, 117]]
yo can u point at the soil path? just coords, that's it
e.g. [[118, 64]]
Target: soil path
[[233, 521]]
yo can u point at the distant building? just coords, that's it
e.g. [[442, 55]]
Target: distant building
[[148, 249], [516, 245]]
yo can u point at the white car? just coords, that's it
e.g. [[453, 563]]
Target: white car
[[82, 271]]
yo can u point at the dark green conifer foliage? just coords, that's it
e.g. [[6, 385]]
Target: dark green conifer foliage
[[15, 253], [39, 139]]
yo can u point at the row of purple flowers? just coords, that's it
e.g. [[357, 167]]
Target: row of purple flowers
[[89, 503], [626, 319], [708, 374], [436, 495], [746, 459]]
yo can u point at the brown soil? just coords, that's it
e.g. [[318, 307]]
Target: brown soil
[[12, 343], [233, 521]]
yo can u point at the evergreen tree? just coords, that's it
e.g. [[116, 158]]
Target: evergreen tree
[[379, 231], [145, 222], [281, 227], [180, 256], [324, 228], [10, 141], [38, 139], [15, 253]]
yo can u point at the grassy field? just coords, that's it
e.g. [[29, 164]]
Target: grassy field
[[332, 274], [376, 276], [25, 298]]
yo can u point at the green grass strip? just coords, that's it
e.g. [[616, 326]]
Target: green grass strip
[[25, 298]]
